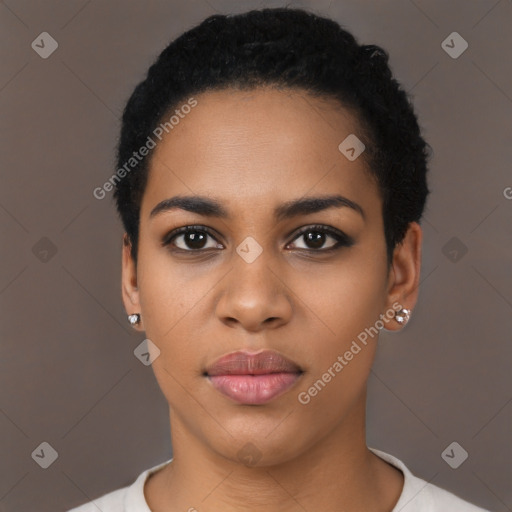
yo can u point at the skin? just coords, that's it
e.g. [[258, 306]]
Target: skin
[[252, 151]]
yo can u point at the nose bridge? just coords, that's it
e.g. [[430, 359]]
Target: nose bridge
[[252, 265], [253, 293]]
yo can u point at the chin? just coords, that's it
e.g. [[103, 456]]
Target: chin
[[259, 442]]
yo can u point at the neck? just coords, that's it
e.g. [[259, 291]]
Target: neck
[[337, 472]]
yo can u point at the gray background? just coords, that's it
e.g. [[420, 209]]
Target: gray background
[[69, 376]]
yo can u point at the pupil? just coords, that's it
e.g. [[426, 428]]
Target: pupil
[[315, 238], [196, 240]]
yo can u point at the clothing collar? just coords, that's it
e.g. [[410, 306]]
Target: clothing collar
[[135, 500]]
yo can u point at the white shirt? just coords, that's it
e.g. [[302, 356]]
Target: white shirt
[[417, 494]]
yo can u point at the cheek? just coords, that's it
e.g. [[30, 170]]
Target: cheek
[[329, 396], [347, 301], [344, 347], [347, 297], [168, 292], [167, 304], [173, 298]]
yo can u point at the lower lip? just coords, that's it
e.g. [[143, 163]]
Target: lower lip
[[254, 389]]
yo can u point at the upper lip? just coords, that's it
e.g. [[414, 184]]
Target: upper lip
[[247, 363]]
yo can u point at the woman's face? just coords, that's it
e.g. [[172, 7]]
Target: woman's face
[[265, 275]]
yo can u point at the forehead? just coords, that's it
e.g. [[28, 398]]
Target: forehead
[[258, 147]]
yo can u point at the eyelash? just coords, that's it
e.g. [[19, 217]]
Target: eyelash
[[342, 240]]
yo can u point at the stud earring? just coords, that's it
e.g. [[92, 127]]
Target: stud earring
[[402, 316], [134, 319]]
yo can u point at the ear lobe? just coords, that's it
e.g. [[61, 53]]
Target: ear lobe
[[404, 274]]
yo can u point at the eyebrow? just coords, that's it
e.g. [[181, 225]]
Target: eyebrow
[[211, 208]]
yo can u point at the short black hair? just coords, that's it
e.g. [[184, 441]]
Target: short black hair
[[283, 47]]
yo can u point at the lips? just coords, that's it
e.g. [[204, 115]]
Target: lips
[[245, 363], [253, 378]]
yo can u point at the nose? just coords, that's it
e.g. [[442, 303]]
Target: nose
[[254, 296]]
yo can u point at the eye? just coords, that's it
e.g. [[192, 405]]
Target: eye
[[191, 239], [195, 239], [314, 237]]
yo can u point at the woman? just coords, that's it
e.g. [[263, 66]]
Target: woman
[[271, 180]]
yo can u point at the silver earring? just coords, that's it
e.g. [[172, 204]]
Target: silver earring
[[134, 319], [402, 316]]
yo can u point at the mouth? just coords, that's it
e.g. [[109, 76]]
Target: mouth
[[253, 378]]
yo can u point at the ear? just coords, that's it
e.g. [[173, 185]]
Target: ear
[[404, 274], [129, 288]]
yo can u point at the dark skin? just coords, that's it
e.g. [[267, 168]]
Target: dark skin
[[252, 151]]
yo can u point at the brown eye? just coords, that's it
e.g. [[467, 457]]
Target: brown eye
[[191, 239], [195, 240], [314, 238]]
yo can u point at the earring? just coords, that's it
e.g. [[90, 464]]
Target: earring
[[402, 316], [134, 319]]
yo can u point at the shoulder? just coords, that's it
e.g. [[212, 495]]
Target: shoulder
[[441, 500], [421, 496], [126, 499]]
